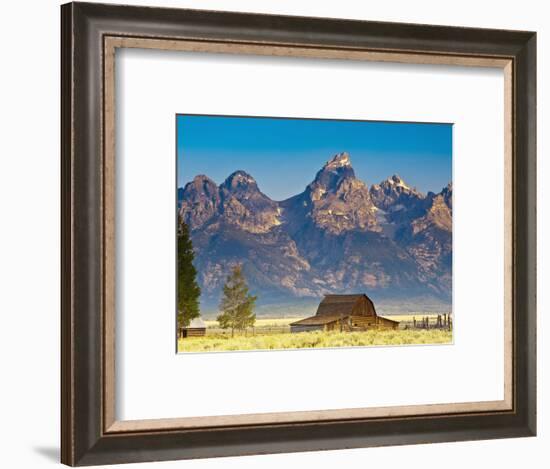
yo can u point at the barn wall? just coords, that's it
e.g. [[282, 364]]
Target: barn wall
[[363, 307], [363, 321], [360, 307], [384, 323], [369, 305], [301, 328], [334, 326]]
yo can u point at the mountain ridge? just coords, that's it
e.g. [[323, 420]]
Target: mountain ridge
[[336, 236]]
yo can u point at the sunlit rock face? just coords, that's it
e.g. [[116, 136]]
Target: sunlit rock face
[[245, 207], [393, 193], [200, 201], [337, 200], [337, 236]]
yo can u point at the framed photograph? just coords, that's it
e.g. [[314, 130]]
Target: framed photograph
[[291, 269], [293, 234]]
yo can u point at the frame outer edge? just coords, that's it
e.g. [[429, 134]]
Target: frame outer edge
[[67, 420], [81, 232], [526, 224], [312, 31], [532, 142], [83, 442]]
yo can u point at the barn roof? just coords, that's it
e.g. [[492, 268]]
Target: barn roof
[[340, 304], [196, 323], [318, 320]]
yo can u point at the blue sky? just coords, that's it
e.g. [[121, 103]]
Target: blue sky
[[283, 155]]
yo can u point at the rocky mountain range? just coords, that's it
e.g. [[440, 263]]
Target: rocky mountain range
[[337, 236]]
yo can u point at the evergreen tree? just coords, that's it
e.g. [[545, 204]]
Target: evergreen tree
[[237, 304], [188, 288]]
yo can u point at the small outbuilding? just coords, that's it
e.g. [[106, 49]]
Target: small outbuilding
[[196, 328], [344, 313]]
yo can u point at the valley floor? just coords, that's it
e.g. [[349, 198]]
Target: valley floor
[[284, 340]]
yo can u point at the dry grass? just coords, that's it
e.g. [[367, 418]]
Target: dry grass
[[315, 339]]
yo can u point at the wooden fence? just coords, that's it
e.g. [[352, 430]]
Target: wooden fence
[[441, 321]]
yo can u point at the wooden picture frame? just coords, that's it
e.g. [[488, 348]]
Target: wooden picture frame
[[90, 34]]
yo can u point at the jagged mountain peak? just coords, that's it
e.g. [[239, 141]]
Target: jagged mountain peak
[[200, 200], [396, 179], [200, 185], [201, 179], [333, 173], [338, 161], [447, 194], [336, 201], [395, 182], [245, 207], [239, 180], [392, 192], [438, 215]]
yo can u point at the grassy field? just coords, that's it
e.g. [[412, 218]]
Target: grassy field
[[224, 342]]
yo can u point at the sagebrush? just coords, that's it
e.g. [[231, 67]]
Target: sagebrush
[[316, 339]]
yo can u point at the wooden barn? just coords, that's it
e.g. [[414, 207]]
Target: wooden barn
[[344, 313], [196, 328]]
